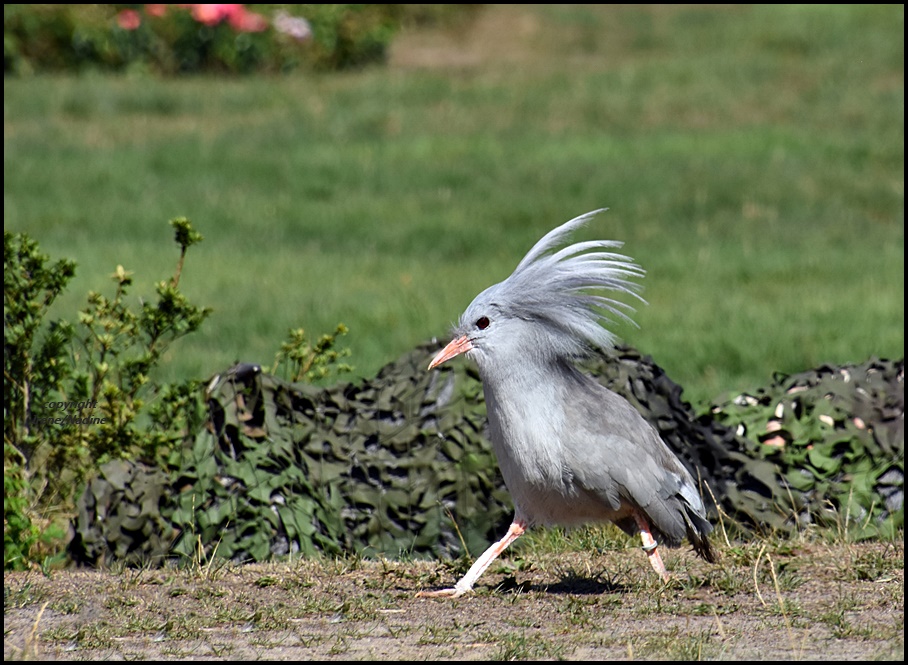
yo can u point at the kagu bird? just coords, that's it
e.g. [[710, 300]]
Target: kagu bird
[[571, 451]]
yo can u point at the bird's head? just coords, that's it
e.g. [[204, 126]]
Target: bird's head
[[551, 306]]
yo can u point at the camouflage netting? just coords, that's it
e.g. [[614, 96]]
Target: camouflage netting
[[120, 516], [379, 467], [837, 437], [400, 463]]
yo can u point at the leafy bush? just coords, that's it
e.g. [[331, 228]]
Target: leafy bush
[[301, 359], [78, 396], [174, 39]]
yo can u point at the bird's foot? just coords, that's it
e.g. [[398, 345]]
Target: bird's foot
[[455, 592]]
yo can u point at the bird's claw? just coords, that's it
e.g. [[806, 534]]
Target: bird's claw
[[442, 593]]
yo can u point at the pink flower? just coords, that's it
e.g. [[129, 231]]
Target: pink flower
[[247, 21], [236, 15], [156, 10], [129, 19], [211, 14]]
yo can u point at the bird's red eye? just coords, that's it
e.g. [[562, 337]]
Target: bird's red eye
[[482, 322]]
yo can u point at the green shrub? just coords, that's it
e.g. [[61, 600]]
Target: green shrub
[[78, 396], [301, 360], [33, 362]]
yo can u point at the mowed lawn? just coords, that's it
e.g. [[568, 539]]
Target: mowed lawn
[[752, 159]]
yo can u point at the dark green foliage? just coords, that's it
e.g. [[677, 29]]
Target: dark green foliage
[[19, 533], [395, 465], [31, 360], [847, 471], [350, 36]]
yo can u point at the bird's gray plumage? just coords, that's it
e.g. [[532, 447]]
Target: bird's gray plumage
[[570, 450]]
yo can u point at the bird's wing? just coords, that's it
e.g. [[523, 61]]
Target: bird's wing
[[618, 457]]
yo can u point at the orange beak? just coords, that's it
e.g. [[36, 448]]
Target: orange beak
[[455, 348]]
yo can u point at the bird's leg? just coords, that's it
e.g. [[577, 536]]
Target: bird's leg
[[518, 526], [650, 545]]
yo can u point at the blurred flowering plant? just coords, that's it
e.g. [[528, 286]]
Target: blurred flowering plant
[[237, 16], [187, 38], [207, 37]]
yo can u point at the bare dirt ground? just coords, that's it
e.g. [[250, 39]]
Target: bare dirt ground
[[764, 600]]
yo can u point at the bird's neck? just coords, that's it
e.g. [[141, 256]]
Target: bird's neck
[[527, 400], [522, 381]]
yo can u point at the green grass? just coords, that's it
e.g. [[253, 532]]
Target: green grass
[[752, 159]]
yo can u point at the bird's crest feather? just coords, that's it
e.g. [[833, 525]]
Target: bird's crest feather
[[562, 290]]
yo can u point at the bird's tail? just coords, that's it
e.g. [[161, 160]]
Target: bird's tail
[[698, 529]]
